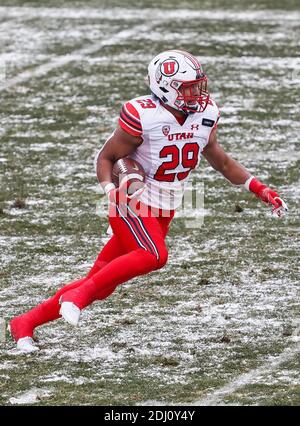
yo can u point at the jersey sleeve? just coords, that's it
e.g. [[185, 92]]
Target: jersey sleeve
[[217, 121], [130, 120], [214, 113]]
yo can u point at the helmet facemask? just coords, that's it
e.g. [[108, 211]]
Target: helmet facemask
[[192, 96]]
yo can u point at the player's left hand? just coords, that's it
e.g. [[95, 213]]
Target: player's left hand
[[281, 209], [271, 197], [268, 196]]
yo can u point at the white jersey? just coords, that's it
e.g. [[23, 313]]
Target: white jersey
[[169, 150]]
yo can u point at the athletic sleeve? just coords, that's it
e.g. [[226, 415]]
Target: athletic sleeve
[[130, 120]]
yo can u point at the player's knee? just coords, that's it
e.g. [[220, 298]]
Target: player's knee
[[152, 261], [162, 259], [59, 293]]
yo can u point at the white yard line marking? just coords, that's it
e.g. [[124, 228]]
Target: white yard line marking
[[80, 54], [248, 378]]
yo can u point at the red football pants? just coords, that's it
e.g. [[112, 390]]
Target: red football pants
[[137, 247]]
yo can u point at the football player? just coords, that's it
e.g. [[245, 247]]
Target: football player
[[166, 131]]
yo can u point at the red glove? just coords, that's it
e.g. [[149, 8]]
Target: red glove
[[267, 195]]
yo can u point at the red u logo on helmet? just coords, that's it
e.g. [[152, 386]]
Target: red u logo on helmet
[[169, 67]]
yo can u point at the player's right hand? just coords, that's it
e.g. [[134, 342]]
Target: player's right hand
[[117, 196], [121, 196]]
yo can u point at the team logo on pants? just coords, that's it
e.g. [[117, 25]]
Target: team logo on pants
[[166, 130]]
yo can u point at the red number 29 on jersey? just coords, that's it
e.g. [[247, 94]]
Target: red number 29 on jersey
[[187, 156]]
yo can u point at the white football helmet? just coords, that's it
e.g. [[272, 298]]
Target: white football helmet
[[176, 77]]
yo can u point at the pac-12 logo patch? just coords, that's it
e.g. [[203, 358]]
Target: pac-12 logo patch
[[169, 67], [166, 130]]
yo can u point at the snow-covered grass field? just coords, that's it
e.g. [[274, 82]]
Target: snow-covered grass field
[[220, 324]]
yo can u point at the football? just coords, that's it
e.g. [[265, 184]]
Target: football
[[129, 172]]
